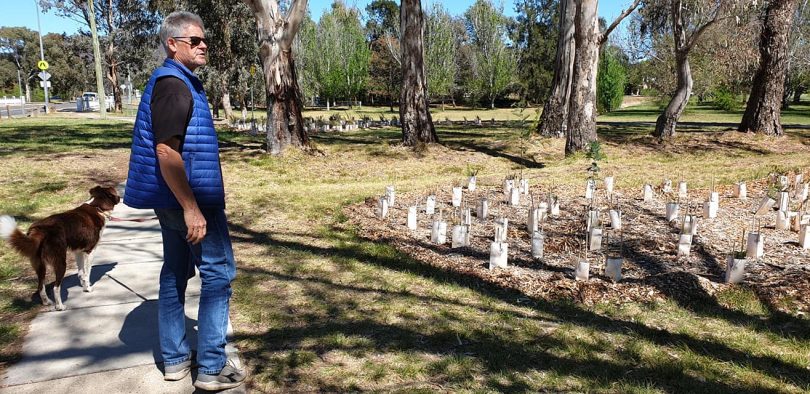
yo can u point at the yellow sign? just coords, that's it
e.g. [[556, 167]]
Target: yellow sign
[[252, 69], [42, 65]]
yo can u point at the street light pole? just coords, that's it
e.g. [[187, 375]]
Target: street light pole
[[42, 56]]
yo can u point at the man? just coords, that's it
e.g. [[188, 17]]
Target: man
[[174, 169]]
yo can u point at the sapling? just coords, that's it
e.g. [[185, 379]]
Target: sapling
[[472, 174], [735, 267], [613, 264]]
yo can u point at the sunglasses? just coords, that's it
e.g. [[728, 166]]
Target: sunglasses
[[192, 40]]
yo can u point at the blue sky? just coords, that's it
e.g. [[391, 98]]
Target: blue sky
[[24, 12]]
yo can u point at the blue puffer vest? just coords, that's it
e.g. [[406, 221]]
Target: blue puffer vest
[[145, 185]]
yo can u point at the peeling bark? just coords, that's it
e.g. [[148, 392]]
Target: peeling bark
[[285, 126], [555, 111], [763, 110], [581, 128]]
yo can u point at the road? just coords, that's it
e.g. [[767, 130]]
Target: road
[[16, 111]]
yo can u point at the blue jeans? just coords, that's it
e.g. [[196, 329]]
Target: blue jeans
[[213, 257]]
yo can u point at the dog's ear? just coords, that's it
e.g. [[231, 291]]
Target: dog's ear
[[112, 193], [96, 191]]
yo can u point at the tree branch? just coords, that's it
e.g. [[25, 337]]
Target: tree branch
[[696, 35], [604, 36], [294, 18]]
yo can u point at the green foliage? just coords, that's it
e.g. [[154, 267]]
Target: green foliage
[[610, 81], [340, 55], [495, 63], [725, 100], [535, 36], [596, 155], [440, 52]]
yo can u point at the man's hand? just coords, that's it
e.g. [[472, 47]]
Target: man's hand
[[195, 222], [172, 169]]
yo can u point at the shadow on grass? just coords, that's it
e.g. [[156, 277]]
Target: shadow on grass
[[499, 354], [46, 139]]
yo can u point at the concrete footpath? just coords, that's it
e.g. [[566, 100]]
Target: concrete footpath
[[106, 340]]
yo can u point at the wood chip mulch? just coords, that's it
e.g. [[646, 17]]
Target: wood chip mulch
[[651, 271]]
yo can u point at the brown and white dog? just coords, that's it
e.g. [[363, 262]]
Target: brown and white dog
[[49, 240]]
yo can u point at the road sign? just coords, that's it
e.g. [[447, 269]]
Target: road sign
[[42, 65], [44, 75], [42, 84], [252, 69]]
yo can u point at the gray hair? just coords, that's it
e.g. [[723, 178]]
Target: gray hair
[[175, 24]]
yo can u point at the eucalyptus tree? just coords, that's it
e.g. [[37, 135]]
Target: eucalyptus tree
[[763, 110], [276, 33], [127, 27], [554, 118], [581, 125], [495, 62], [440, 52], [686, 21], [417, 124]]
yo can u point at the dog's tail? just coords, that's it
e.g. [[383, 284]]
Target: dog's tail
[[27, 246]]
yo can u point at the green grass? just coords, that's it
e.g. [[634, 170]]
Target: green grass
[[318, 307]]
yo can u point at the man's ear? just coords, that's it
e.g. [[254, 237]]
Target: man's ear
[[171, 43]]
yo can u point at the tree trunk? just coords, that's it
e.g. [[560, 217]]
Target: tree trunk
[[665, 125], [555, 111], [285, 124], [581, 128], [762, 112], [417, 125], [112, 76], [226, 96]]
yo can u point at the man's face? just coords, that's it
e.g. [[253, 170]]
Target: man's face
[[185, 50]]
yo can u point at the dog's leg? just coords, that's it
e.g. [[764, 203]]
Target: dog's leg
[[79, 256], [87, 258], [59, 269], [39, 267]]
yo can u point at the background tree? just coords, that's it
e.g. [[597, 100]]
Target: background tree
[[417, 125], [276, 33], [440, 53], [610, 80], [127, 29], [20, 46], [554, 118], [686, 21], [535, 36], [495, 63], [798, 72], [385, 69]]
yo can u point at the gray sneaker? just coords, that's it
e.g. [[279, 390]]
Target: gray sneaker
[[232, 375], [179, 371]]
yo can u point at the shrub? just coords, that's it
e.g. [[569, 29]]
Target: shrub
[[725, 100]]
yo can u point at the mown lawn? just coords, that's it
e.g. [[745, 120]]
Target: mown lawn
[[319, 308]]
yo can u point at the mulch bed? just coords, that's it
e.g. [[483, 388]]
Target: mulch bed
[[651, 270]]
